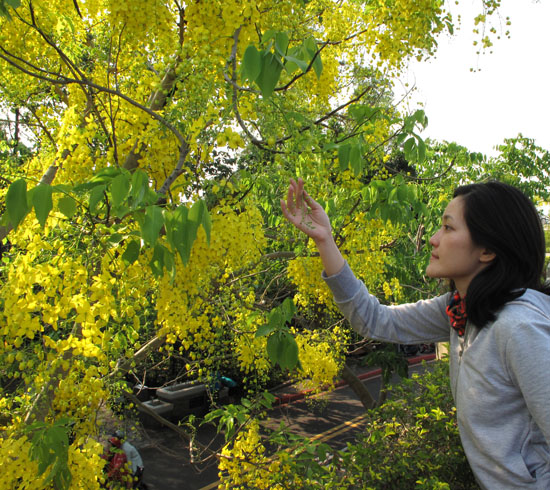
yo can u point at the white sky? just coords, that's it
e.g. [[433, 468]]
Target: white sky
[[509, 92]]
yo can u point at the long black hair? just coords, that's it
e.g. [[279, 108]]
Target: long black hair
[[503, 220]]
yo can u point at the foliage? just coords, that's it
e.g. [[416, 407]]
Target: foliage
[[411, 441]]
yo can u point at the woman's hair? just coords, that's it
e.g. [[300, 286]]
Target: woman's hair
[[503, 220]]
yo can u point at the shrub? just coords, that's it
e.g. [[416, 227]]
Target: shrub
[[412, 441]]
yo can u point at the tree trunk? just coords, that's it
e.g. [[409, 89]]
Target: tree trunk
[[358, 387]]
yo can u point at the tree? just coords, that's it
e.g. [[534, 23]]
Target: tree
[[144, 227]]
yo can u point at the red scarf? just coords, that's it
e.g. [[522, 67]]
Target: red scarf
[[457, 313]]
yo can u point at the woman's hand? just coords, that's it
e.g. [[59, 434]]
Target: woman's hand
[[308, 216], [305, 213]]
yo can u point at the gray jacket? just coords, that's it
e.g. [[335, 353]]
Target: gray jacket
[[500, 376]]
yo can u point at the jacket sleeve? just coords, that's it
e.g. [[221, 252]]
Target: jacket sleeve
[[413, 323]]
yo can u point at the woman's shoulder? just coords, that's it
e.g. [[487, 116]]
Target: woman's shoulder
[[531, 304], [522, 328], [530, 311]]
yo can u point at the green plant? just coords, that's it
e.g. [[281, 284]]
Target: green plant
[[412, 440]]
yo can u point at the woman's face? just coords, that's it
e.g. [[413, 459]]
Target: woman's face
[[454, 255]]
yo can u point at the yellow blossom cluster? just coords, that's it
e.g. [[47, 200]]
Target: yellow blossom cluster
[[321, 355], [393, 290], [249, 350], [245, 464], [206, 301], [20, 471], [399, 29], [140, 16], [305, 273], [72, 307], [366, 245], [212, 25]]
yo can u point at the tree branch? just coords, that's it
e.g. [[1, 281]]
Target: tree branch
[[63, 80]]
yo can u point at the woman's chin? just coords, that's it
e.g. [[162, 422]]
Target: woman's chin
[[430, 272]]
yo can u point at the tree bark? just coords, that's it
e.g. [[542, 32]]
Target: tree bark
[[156, 102], [358, 388]]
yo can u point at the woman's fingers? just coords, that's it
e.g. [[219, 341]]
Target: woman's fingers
[[294, 200], [289, 198], [296, 193], [298, 202]]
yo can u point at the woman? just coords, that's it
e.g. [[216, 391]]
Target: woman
[[497, 320]]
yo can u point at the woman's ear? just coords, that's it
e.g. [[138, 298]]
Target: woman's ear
[[487, 256]]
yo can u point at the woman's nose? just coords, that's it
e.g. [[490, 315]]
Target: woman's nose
[[434, 240]]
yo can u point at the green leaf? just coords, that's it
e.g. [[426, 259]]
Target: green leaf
[[252, 64], [49, 447], [180, 231], [115, 238], [355, 159], [120, 186], [420, 117], [8, 3], [288, 309], [400, 138], [276, 319], [264, 330], [268, 35], [292, 62], [361, 112], [274, 347], [281, 43], [131, 253], [42, 202], [158, 261], [409, 148], [62, 188], [16, 202], [97, 194], [198, 215], [152, 224], [67, 205], [169, 225], [289, 357], [140, 186], [384, 213], [343, 156], [269, 75], [104, 176], [282, 349], [314, 54], [403, 194], [393, 195], [421, 149], [170, 263]]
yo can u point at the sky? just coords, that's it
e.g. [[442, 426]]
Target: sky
[[506, 94]]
